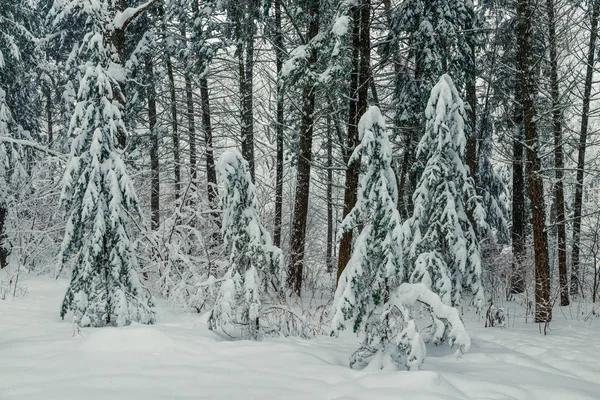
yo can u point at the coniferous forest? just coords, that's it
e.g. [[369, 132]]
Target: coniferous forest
[[289, 186]]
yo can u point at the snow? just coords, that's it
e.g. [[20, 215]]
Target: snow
[[340, 27], [178, 358]]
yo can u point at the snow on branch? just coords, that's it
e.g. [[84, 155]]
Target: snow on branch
[[122, 19], [34, 145]]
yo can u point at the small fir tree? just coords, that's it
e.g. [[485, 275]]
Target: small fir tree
[[440, 244], [255, 271], [97, 193], [371, 293]]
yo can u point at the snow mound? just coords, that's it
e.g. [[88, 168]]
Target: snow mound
[[136, 338]]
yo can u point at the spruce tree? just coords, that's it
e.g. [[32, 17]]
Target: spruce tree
[[441, 247], [97, 192], [372, 292], [255, 271]]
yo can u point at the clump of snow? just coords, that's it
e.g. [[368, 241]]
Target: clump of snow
[[340, 27]]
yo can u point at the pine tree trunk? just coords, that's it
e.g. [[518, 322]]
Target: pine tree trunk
[[4, 251], [298, 239], [49, 111], [154, 162], [279, 55], [359, 85], [526, 81], [245, 30], [470, 86], [174, 127], [189, 97], [211, 173], [559, 196], [578, 205], [519, 217], [329, 252]]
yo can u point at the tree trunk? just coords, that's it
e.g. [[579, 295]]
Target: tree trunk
[[49, 110], [526, 81], [578, 205], [174, 126], [245, 30], [211, 173], [279, 55], [359, 85], [329, 253], [559, 195], [471, 91], [297, 241], [189, 97], [519, 216], [4, 251], [154, 162]]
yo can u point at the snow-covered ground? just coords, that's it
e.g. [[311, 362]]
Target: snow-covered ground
[[178, 358]]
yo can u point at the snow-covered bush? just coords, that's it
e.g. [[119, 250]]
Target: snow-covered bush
[[440, 243], [255, 273], [98, 194], [372, 292], [181, 257]]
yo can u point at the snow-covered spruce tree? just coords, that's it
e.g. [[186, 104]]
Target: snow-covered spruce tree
[[441, 248], [371, 293], [255, 273], [97, 193]]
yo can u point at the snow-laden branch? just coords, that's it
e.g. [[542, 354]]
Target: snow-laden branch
[[122, 19], [35, 146]]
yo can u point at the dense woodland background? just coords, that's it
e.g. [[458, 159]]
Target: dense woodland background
[[286, 82]]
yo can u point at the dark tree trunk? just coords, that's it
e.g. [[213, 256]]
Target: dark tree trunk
[[49, 111], [154, 162], [470, 87], [526, 81], [298, 239], [174, 127], [330, 243], [189, 97], [211, 173], [4, 250], [245, 29], [578, 205], [519, 216], [279, 56], [559, 196], [359, 85]]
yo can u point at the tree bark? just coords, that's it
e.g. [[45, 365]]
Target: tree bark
[[49, 110], [189, 97], [359, 85], [578, 204], [154, 161], [329, 252], [279, 56], [174, 127], [470, 88], [559, 195], [4, 251], [211, 173], [526, 79], [519, 216], [298, 239]]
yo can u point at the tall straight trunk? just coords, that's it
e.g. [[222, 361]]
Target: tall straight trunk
[[174, 127], [279, 56], [330, 243], [519, 216], [527, 84], [470, 88], [578, 205], [559, 165], [359, 85], [49, 112], [245, 30], [298, 238], [154, 162], [4, 251], [211, 174], [118, 41], [189, 100]]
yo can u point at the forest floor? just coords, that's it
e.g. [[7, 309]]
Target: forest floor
[[179, 358]]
